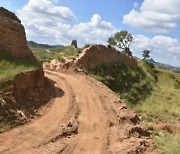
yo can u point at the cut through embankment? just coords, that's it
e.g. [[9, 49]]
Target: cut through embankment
[[88, 118]]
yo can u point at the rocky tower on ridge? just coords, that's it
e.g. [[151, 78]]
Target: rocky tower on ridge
[[12, 35], [74, 43]]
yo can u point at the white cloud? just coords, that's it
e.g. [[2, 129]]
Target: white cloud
[[94, 31], [47, 23], [45, 10], [136, 5], [155, 16], [96, 21], [157, 44], [164, 49]]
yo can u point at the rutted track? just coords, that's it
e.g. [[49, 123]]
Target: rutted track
[[84, 117]]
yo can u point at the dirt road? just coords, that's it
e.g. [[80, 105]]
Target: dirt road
[[84, 117]]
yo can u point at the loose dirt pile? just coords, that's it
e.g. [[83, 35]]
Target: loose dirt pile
[[84, 117]]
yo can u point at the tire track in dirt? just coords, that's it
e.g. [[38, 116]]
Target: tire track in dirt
[[92, 121], [27, 138], [84, 117]]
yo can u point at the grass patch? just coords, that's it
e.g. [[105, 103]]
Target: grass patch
[[164, 99], [10, 66], [68, 51], [162, 106], [45, 56], [60, 54], [131, 84], [168, 143]]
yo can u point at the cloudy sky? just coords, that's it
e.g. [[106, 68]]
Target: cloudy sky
[[155, 24]]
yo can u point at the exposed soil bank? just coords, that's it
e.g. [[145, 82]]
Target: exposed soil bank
[[22, 97]]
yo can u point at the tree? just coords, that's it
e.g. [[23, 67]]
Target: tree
[[146, 54], [122, 40]]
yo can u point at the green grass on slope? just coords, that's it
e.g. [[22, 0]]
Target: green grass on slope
[[131, 84], [164, 99], [68, 51], [168, 143], [46, 55], [163, 105], [147, 90], [10, 66]]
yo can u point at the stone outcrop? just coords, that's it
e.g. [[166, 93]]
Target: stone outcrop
[[74, 43], [8, 14], [12, 35], [99, 54]]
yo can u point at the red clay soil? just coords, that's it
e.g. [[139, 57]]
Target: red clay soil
[[84, 117]]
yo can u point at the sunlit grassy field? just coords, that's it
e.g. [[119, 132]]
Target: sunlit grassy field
[[46, 55], [168, 143], [164, 99]]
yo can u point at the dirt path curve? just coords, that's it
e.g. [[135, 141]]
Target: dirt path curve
[[84, 117]]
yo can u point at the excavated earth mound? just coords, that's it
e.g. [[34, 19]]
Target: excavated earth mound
[[99, 54]]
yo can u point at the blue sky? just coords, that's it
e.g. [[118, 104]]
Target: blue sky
[[153, 23]]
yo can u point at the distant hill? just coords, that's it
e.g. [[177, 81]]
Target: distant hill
[[164, 66], [33, 44]]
